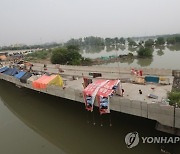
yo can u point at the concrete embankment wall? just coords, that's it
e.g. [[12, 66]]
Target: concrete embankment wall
[[165, 115]]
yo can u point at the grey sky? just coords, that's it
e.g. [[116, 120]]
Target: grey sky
[[39, 21]]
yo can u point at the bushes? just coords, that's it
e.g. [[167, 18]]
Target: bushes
[[174, 97], [173, 40], [145, 52], [68, 56], [58, 56], [149, 43], [86, 61], [38, 55], [160, 41]]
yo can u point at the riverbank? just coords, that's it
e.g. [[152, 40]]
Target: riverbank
[[131, 103], [47, 123]]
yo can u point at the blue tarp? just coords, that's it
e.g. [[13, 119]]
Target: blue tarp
[[11, 71], [20, 74], [154, 79], [3, 69]]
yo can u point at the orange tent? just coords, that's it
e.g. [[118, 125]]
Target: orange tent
[[45, 80]]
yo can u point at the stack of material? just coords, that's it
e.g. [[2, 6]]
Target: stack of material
[[164, 81], [139, 80], [33, 78], [25, 77], [152, 79]]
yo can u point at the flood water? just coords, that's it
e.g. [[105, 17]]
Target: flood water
[[35, 123], [164, 57]]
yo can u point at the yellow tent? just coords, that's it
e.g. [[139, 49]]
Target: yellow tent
[[58, 81]]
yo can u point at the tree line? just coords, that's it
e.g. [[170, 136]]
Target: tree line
[[28, 47], [98, 41]]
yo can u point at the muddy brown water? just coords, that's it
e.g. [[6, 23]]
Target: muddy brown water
[[36, 123]]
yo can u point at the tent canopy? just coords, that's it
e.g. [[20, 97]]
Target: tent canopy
[[45, 80], [20, 74], [11, 71], [3, 69], [57, 81]]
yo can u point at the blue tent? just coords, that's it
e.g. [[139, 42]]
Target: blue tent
[[3, 69], [11, 71], [20, 74], [154, 79]]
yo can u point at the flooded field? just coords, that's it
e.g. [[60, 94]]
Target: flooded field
[[164, 57]]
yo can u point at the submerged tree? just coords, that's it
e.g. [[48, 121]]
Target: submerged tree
[[160, 41], [122, 40], [144, 62], [160, 52], [131, 42], [145, 52], [149, 43]]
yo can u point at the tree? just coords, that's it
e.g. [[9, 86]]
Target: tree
[[171, 40], [174, 97], [160, 41], [75, 42], [73, 47], [94, 41], [145, 52], [177, 38], [122, 40], [69, 55], [149, 43], [131, 42], [108, 41], [58, 56]]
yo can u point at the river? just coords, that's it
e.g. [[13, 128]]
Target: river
[[163, 57], [35, 123]]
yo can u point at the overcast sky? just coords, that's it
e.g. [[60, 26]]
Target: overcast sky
[[39, 21]]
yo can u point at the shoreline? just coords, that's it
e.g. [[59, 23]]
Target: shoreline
[[130, 103]]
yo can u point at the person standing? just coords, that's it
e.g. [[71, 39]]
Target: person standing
[[45, 67]]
